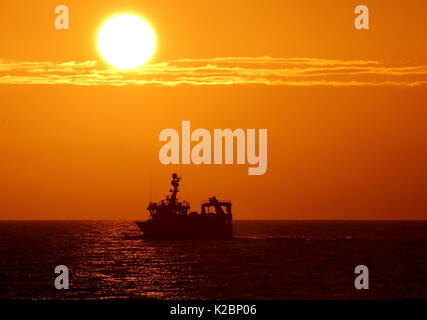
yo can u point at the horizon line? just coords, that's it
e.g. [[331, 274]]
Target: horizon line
[[234, 220]]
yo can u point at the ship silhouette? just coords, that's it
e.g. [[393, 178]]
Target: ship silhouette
[[171, 219]]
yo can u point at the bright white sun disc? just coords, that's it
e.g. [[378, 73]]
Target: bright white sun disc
[[126, 42]]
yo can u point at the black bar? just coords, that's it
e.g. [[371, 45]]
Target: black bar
[[265, 309]]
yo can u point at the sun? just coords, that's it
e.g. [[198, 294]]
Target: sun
[[126, 42]]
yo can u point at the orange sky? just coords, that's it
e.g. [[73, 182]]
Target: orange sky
[[345, 109]]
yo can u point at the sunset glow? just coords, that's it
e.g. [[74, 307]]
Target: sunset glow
[[344, 108]]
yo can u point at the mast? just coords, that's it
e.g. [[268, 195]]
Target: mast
[[151, 185], [175, 183]]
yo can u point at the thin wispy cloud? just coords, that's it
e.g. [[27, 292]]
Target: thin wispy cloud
[[221, 71]]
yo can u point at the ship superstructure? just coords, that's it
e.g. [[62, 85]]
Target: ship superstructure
[[172, 219]]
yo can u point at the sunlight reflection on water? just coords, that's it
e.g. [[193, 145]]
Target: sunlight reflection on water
[[267, 260]]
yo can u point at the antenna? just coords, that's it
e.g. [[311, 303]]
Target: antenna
[[184, 192], [151, 185]]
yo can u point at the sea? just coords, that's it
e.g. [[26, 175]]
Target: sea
[[266, 260]]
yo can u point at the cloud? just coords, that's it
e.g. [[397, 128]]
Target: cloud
[[221, 71]]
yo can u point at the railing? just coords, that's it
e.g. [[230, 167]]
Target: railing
[[214, 201], [183, 203]]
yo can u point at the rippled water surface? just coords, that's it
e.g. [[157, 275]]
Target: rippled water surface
[[267, 260]]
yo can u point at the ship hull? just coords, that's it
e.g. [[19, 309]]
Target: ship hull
[[187, 228]]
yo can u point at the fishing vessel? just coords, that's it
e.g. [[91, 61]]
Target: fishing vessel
[[171, 219]]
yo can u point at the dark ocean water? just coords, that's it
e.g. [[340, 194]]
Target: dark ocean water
[[267, 260]]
